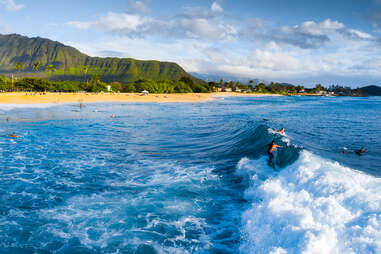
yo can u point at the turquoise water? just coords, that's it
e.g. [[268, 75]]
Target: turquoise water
[[192, 178]]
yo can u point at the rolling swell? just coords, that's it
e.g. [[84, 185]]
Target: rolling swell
[[252, 140]]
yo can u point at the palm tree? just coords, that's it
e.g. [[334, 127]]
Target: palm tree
[[36, 66], [19, 66], [85, 70], [95, 79], [50, 68]]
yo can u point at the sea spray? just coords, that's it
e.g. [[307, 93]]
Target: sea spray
[[312, 206]]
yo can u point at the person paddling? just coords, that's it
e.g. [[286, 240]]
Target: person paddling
[[14, 135], [281, 131], [271, 149], [361, 151]]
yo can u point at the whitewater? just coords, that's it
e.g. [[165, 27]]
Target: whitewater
[[312, 206], [192, 178]]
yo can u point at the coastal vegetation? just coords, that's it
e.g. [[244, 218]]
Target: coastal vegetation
[[94, 84], [289, 89], [184, 85]]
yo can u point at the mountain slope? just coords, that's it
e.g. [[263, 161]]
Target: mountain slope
[[69, 61]]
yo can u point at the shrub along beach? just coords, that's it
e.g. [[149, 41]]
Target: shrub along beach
[[29, 90]]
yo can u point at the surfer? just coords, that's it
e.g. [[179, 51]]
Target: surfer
[[13, 135], [360, 151], [281, 131], [271, 149]]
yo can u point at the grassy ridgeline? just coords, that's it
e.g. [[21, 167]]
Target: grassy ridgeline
[[69, 63], [184, 85]]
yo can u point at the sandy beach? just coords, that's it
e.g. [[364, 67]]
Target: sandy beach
[[40, 98]]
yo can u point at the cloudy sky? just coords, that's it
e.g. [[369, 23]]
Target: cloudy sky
[[298, 41]]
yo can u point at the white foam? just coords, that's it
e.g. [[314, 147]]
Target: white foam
[[312, 206], [284, 136], [8, 107], [101, 219]]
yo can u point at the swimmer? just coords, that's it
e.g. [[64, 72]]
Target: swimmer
[[7, 119], [112, 116], [281, 131], [271, 149], [361, 151], [14, 135]]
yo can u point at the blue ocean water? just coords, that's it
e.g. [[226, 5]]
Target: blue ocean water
[[192, 177]]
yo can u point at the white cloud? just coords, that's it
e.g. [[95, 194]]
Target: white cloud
[[138, 6], [273, 60], [308, 35], [191, 24], [11, 5], [216, 7], [321, 28], [113, 22], [116, 22]]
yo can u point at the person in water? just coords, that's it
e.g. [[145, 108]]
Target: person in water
[[281, 131], [271, 149], [360, 151], [14, 135]]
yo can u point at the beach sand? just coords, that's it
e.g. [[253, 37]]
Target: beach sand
[[37, 98]]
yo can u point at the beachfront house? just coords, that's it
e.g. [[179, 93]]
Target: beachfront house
[[226, 89], [145, 92]]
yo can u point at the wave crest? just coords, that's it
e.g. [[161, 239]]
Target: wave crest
[[311, 206]]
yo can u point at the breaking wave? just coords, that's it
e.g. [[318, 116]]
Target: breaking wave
[[313, 205]]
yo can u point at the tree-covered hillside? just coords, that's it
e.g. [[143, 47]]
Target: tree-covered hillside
[[371, 90], [71, 64]]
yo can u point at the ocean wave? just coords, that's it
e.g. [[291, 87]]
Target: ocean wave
[[312, 206], [8, 107]]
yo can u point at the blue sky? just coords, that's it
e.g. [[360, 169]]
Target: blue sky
[[302, 42]]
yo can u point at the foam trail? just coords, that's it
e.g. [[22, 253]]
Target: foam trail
[[312, 206]]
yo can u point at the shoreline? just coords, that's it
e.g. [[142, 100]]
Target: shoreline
[[58, 98]]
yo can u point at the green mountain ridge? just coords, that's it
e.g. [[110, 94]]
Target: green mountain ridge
[[69, 61]]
